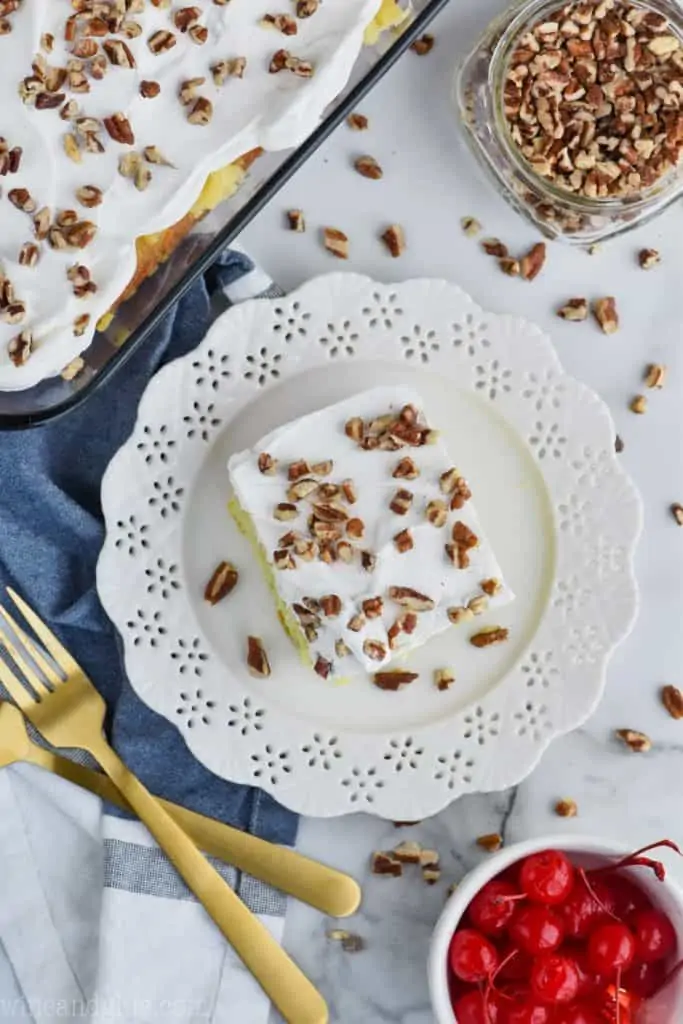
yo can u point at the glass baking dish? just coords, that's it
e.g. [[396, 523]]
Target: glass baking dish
[[137, 317]]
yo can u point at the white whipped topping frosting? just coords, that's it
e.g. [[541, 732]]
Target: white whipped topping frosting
[[272, 111], [320, 436]]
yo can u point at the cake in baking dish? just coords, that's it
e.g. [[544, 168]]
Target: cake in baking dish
[[126, 121], [366, 531]]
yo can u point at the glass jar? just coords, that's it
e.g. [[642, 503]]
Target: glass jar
[[479, 92]]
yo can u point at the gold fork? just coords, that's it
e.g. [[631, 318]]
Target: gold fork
[[330, 891], [71, 715]]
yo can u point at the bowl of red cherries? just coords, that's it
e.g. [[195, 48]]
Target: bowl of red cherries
[[566, 930]]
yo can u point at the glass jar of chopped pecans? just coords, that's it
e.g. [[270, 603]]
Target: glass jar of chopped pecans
[[577, 111]]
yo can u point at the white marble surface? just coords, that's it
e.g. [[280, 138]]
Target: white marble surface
[[430, 182]]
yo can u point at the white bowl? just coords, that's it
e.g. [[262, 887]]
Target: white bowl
[[666, 1008]]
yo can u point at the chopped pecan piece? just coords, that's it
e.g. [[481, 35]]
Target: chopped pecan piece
[[638, 742], [406, 470], [403, 541], [566, 808], [393, 679], [574, 309], [655, 376], [373, 607], [184, 17], [153, 155], [368, 560], [368, 167], [491, 586], [605, 312], [448, 480], [649, 258], [443, 678], [284, 559], [386, 864], [395, 240], [411, 599], [22, 199], [297, 470], [470, 226], [491, 842], [423, 45], [201, 112], [283, 60], [198, 34], [282, 22], [401, 502], [322, 468], [345, 551], [331, 606], [459, 614], [257, 659], [20, 348], [672, 699], [374, 649], [161, 41], [355, 528], [349, 491], [29, 255], [478, 605], [357, 122], [307, 550], [322, 666], [510, 266], [336, 242], [407, 622], [431, 873], [149, 90], [461, 494], [296, 221], [267, 464], [494, 247], [119, 53], [306, 8], [119, 129], [340, 649], [463, 536], [408, 852], [285, 511], [223, 581], [356, 623], [638, 405], [71, 148], [301, 489], [89, 196], [225, 69], [489, 636], [531, 264], [677, 513], [354, 428]]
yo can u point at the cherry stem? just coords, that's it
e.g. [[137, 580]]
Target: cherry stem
[[610, 913], [636, 859], [491, 982]]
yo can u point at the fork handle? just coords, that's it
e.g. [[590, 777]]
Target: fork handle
[[279, 977], [322, 887]]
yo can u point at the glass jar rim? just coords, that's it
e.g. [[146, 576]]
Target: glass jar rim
[[526, 16]]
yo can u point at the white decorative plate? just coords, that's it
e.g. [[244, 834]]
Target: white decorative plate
[[538, 450]]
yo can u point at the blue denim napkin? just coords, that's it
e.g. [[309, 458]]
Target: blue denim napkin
[[51, 532]]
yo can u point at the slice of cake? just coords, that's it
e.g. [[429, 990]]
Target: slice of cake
[[366, 531]]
